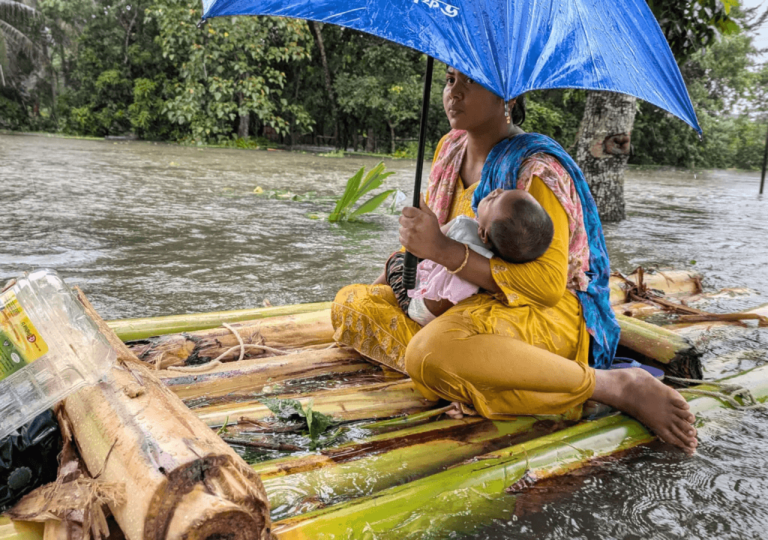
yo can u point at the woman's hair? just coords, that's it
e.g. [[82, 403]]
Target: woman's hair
[[518, 111]]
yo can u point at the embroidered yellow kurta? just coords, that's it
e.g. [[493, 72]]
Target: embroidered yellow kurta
[[523, 351]]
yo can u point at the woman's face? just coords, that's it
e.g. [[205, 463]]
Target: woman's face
[[468, 105]]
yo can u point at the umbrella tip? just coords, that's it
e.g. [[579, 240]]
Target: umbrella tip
[[200, 24]]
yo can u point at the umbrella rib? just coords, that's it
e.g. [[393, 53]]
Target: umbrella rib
[[337, 15]]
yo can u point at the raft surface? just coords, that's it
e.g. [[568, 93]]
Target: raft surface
[[406, 463]]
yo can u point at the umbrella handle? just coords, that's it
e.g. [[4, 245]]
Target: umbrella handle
[[409, 270], [409, 267]]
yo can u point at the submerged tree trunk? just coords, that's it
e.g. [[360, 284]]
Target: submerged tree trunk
[[602, 149], [316, 32]]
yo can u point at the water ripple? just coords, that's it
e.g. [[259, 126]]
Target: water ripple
[[149, 229]]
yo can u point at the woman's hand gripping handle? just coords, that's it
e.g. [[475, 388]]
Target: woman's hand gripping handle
[[421, 235], [420, 232]]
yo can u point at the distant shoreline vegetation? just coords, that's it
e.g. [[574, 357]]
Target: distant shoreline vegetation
[[96, 68]]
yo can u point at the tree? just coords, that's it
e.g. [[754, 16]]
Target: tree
[[380, 84], [369, 96], [109, 49], [317, 33], [604, 141], [15, 17], [234, 68], [728, 93]]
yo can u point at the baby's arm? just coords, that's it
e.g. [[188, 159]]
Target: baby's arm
[[438, 307]]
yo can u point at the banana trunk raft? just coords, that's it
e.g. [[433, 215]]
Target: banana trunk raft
[[326, 444]]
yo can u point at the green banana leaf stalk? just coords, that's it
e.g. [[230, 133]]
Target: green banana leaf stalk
[[357, 186]]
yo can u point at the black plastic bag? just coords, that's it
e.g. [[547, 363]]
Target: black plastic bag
[[28, 458]]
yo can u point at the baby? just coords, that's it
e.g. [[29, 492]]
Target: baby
[[510, 224]]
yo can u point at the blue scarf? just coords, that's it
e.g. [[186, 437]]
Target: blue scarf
[[500, 171]]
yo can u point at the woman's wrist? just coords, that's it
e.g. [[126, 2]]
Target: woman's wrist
[[451, 255]]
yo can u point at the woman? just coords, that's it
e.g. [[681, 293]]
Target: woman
[[523, 346]]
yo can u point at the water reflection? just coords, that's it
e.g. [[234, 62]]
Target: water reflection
[[659, 493]]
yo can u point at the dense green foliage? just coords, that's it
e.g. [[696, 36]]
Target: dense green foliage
[[729, 97], [116, 73], [143, 67], [229, 70]]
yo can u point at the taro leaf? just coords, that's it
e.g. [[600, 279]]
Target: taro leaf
[[371, 205], [374, 179], [284, 409], [317, 422], [353, 184]]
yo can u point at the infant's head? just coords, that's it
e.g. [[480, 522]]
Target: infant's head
[[515, 224]]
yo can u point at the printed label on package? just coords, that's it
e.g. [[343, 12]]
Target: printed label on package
[[20, 342]]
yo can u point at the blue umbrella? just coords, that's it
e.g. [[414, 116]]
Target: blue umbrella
[[511, 46]]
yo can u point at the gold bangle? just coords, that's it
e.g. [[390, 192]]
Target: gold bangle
[[466, 259]]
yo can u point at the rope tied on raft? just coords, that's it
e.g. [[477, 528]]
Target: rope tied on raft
[[217, 361], [640, 292], [728, 393]]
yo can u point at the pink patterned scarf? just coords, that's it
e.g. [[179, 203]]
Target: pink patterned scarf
[[445, 173]]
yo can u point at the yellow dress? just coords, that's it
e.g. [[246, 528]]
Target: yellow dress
[[523, 351]]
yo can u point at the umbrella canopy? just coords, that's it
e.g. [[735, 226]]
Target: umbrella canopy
[[514, 46]]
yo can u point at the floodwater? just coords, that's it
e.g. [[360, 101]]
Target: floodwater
[[151, 229]]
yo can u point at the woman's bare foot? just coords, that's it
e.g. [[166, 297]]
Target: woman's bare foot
[[661, 408]]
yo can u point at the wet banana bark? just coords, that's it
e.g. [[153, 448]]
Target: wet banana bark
[[182, 481]]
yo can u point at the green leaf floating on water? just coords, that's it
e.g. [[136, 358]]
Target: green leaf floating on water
[[285, 409], [317, 422], [291, 410]]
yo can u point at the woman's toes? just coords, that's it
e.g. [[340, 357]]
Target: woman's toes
[[680, 402], [669, 436], [682, 434], [685, 415], [686, 433], [684, 426]]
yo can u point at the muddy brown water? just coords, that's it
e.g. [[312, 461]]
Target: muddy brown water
[[153, 229]]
